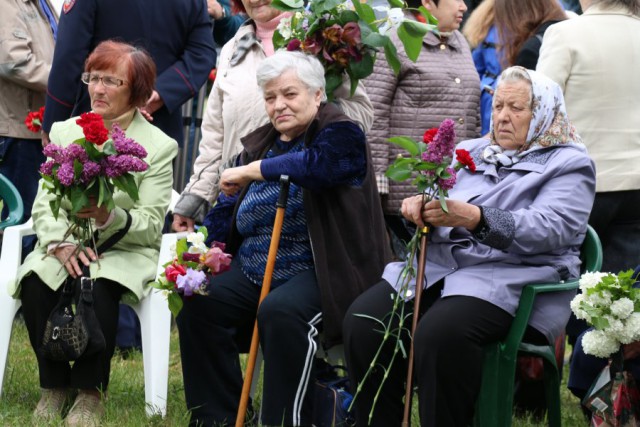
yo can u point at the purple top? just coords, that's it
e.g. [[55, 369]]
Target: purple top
[[536, 211]]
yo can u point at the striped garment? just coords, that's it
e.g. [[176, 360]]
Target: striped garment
[[255, 219]]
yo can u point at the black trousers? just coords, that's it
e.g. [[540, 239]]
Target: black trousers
[[211, 328], [89, 373], [449, 344], [616, 218]]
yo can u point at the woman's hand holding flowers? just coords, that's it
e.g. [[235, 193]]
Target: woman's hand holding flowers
[[460, 214], [69, 256], [99, 213]]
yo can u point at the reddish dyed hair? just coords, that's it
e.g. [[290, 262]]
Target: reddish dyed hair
[[141, 70]]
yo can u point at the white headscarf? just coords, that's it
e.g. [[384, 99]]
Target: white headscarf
[[549, 123]]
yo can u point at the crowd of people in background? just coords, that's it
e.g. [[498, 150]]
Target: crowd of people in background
[[533, 87]]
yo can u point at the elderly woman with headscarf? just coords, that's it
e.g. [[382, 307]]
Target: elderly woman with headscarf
[[519, 219], [329, 251]]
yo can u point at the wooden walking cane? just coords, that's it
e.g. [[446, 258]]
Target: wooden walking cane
[[281, 206], [416, 312]]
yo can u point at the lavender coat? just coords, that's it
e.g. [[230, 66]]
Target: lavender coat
[[537, 213]]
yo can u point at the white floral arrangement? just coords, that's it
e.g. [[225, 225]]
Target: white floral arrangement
[[611, 304]]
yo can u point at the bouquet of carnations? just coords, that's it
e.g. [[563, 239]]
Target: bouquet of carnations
[[345, 36], [185, 275], [611, 304], [89, 170]]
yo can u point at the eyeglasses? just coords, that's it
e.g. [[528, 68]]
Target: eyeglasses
[[107, 81]]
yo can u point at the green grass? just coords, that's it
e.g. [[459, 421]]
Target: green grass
[[125, 404]]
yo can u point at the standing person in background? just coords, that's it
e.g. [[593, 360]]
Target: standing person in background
[[597, 73], [26, 50], [482, 35], [442, 83], [521, 25], [225, 22], [232, 110], [177, 33]]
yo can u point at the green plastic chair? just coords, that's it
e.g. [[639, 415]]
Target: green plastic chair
[[11, 198], [494, 407]]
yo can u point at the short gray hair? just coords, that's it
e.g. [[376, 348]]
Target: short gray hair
[[308, 69], [517, 74]]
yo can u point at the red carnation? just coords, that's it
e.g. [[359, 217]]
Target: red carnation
[[464, 158], [429, 134], [34, 120], [173, 271], [93, 128]]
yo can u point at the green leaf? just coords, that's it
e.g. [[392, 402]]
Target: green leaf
[[371, 38], [55, 207], [407, 143], [396, 3], [431, 20], [391, 54], [181, 247], [288, 5], [278, 40], [365, 12], [78, 199], [398, 173], [175, 303], [333, 81], [348, 16], [363, 68], [102, 190], [204, 232], [443, 200], [108, 149], [411, 34], [127, 184]]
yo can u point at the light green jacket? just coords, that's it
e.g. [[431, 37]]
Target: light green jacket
[[132, 262]]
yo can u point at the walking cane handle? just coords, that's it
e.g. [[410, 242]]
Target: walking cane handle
[[284, 191]]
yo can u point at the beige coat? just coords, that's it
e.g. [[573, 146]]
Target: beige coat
[[26, 51], [595, 58], [132, 262], [235, 107]]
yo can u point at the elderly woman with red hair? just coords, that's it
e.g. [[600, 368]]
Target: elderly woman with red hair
[[120, 78]]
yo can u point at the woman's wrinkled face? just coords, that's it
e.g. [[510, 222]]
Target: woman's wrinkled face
[[290, 105], [512, 114], [260, 10], [110, 102], [447, 12]]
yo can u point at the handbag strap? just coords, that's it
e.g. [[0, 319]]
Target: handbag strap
[[115, 238]]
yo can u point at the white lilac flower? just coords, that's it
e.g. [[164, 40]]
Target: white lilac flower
[[599, 344], [195, 238], [395, 16], [590, 279], [622, 308], [284, 28], [172, 250], [615, 328], [576, 307]]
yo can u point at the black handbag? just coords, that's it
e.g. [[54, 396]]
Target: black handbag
[[73, 334]]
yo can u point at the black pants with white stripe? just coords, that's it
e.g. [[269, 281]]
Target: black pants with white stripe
[[211, 328]]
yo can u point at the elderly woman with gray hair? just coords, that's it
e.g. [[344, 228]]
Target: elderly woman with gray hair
[[329, 250], [520, 218]]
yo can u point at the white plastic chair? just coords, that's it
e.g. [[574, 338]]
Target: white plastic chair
[[153, 312]]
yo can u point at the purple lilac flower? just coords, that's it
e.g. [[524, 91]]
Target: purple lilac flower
[[190, 282], [47, 167], [115, 166], [75, 152], [124, 145], [442, 146], [90, 170], [448, 183], [54, 151], [65, 174]]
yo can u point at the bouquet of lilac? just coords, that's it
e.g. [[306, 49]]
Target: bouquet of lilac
[[89, 170]]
